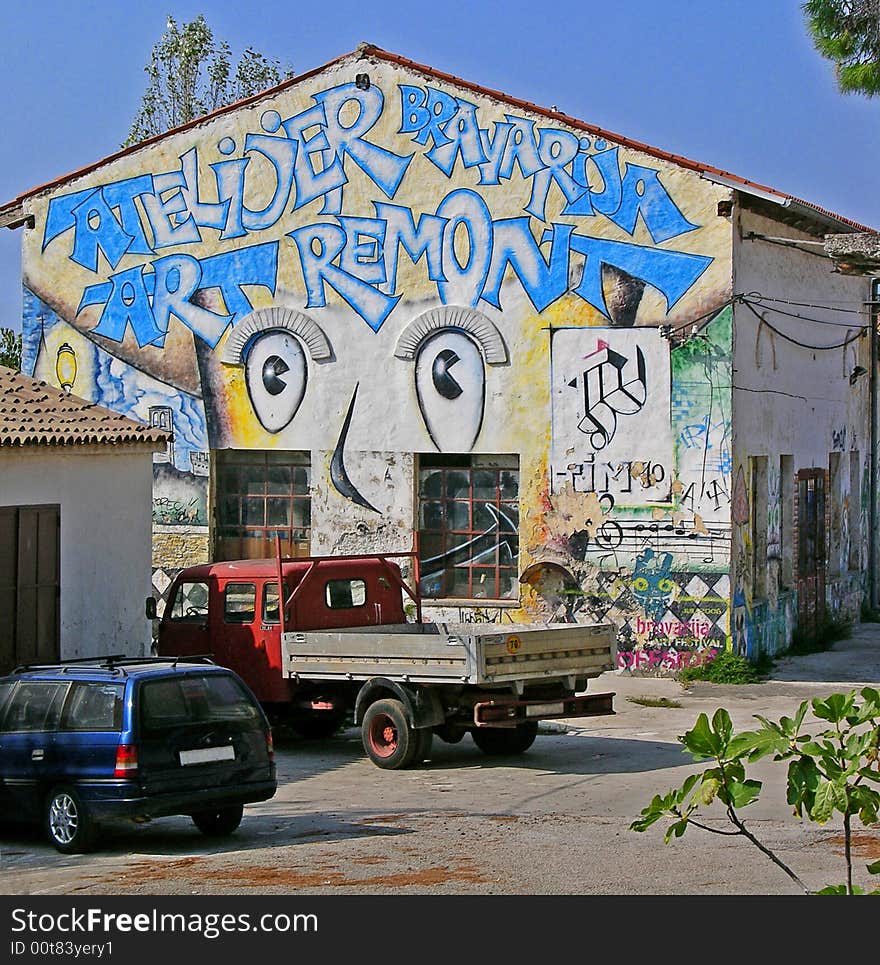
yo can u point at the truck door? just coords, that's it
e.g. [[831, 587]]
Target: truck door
[[184, 630], [247, 639]]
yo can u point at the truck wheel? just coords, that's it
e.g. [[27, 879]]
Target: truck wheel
[[68, 824], [505, 741], [388, 739], [219, 822]]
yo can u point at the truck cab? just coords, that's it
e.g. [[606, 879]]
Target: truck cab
[[230, 611]]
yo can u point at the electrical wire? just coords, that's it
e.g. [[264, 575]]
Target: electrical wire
[[710, 314], [794, 341], [806, 318], [757, 296]]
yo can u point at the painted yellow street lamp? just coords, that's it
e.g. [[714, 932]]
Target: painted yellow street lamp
[[65, 367]]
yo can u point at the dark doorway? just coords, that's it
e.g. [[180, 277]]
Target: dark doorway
[[811, 550], [29, 585]]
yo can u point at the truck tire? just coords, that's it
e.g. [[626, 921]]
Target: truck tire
[[505, 741], [387, 737]]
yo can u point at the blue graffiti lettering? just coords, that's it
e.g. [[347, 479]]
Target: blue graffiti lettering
[[319, 246], [384, 168], [96, 228], [671, 272], [463, 134], [401, 231], [147, 301], [281, 154], [515, 246], [556, 149], [118, 195], [127, 303], [466, 210], [550, 156], [169, 218]]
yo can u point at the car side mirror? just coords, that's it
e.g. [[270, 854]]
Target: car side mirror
[[150, 607]]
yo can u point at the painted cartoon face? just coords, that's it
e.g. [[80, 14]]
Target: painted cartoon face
[[652, 583], [451, 384], [275, 375]]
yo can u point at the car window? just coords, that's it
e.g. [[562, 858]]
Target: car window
[[193, 700], [344, 594], [35, 705], [190, 603], [91, 705], [239, 602]]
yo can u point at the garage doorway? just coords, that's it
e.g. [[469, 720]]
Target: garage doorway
[[29, 585]]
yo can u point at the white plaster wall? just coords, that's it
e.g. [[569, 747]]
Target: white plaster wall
[[105, 539], [794, 400], [788, 399]]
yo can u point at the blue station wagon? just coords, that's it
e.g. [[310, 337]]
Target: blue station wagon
[[84, 743]]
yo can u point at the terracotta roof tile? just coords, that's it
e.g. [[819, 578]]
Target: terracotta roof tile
[[34, 413]]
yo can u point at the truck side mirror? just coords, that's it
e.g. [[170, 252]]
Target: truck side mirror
[[150, 607]]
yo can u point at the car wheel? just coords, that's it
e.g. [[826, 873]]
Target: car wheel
[[387, 737], [68, 825], [219, 822], [505, 741]]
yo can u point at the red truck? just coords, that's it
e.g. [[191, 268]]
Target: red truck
[[343, 647]]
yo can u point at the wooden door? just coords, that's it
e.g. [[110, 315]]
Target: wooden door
[[811, 550], [29, 585]]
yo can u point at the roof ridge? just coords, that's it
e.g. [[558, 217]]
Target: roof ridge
[[364, 50]]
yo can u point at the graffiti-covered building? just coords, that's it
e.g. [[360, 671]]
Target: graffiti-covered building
[[379, 304]]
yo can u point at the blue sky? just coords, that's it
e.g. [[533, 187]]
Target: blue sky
[[732, 83]]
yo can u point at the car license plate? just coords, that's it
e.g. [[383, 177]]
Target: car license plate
[[201, 755], [545, 710]]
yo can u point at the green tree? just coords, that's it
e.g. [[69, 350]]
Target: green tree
[[847, 32], [832, 771], [10, 349], [191, 74]]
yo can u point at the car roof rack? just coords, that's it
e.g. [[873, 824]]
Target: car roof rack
[[115, 662]]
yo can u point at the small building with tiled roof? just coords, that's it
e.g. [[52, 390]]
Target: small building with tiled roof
[[377, 304], [75, 525]]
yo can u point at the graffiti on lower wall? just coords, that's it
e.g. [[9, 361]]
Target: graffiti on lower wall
[[656, 565], [610, 387], [180, 473]]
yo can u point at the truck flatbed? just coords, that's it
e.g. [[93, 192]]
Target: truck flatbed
[[452, 653]]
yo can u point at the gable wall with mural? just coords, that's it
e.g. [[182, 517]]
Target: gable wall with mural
[[463, 316]]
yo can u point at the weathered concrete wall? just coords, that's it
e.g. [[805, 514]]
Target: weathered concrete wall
[[796, 408], [104, 495]]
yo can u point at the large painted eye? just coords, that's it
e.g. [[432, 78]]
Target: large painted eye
[[451, 385], [275, 374]]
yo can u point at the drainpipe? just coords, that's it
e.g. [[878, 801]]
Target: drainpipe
[[874, 313]]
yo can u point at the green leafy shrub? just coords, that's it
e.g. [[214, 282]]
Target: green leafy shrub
[[835, 771], [724, 668]]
